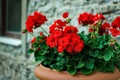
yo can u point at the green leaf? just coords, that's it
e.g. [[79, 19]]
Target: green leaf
[[72, 70], [80, 64], [39, 58], [118, 64], [89, 64], [100, 46], [107, 54], [86, 71], [57, 66], [30, 51], [106, 66], [35, 45], [83, 37], [69, 64], [100, 55], [42, 52], [94, 53], [111, 68]]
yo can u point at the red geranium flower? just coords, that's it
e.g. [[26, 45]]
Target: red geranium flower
[[34, 21], [99, 17], [65, 14], [75, 43], [116, 22], [85, 18], [52, 28], [78, 45], [70, 29], [57, 25], [60, 24], [33, 40], [62, 43], [30, 23], [41, 33], [105, 26], [91, 30], [51, 41], [71, 43], [115, 32], [57, 34], [39, 19]]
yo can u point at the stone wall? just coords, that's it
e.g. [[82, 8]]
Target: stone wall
[[15, 66], [0, 15]]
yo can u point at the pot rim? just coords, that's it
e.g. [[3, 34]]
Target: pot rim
[[40, 69]]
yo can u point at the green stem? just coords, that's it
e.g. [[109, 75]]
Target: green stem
[[44, 30], [32, 34], [98, 26], [117, 57]]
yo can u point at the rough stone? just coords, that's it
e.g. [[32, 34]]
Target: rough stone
[[16, 68]]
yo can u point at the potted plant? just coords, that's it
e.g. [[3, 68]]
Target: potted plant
[[67, 54]]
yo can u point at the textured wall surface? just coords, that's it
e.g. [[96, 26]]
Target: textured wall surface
[[15, 66]]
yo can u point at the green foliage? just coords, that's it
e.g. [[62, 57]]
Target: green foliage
[[97, 55], [99, 42]]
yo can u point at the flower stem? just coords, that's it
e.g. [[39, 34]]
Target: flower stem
[[32, 34], [118, 57], [44, 30]]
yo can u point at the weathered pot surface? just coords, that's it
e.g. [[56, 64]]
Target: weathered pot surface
[[44, 73]]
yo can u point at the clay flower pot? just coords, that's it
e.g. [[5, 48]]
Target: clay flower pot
[[44, 73]]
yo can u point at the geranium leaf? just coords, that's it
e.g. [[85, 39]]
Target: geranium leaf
[[80, 64], [94, 53], [72, 70], [107, 54], [86, 71], [30, 51], [39, 58], [89, 65], [118, 64]]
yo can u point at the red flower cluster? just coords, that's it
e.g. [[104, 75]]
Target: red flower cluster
[[114, 29], [71, 43], [87, 18], [58, 25], [104, 28], [65, 38], [97, 23], [34, 21]]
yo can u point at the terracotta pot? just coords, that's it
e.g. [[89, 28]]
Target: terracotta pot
[[44, 73]]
